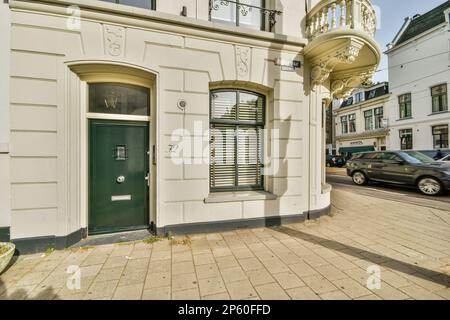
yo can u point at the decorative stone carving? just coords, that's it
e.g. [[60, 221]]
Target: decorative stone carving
[[342, 85], [325, 65], [242, 61], [114, 40]]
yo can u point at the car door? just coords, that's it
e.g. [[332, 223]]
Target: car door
[[374, 165], [395, 169]]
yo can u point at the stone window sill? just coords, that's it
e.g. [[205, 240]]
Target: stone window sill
[[407, 118], [438, 112], [221, 197]]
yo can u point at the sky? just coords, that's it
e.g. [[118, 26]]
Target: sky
[[392, 14]]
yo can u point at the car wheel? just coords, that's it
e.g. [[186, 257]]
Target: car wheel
[[328, 165], [359, 178], [429, 186]]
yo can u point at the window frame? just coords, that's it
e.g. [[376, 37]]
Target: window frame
[[378, 118], [440, 137], [411, 142], [405, 104], [236, 22], [352, 120], [346, 124], [151, 2], [236, 124], [441, 99], [367, 121]]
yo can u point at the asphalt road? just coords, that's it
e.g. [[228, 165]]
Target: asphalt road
[[390, 192]]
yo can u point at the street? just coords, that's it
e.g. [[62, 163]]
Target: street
[[339, 180]]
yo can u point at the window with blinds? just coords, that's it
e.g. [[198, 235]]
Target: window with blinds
[[236, 140]]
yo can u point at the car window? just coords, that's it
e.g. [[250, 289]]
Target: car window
[[416, 157], [373, 156], [391, 156]]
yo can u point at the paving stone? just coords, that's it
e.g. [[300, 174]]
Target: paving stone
[[271, 291], [109, 274], [334, 295], [351, 288], [103, 289], [302, 269], [241, 290], [302, 293], [233, 274], [419, 293], [330, 272], [202, 259], [155, 280], [319, 284], [183, 267], [288, 280], [207, 271], [249, 264], [260, 276], [211, 286], [128, 292], [161, 293], [184, 282], [388, 292]]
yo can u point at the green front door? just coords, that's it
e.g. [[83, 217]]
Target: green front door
[[118, 176]]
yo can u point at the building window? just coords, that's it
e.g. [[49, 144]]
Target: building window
[[145, 4], [344, 124], [379, 118], [236, 140], [368, 120], [440, 137], [359, 97], [118, 98], [406, 139], [439, 98], [405, 106], [243, 13], [352, 122]]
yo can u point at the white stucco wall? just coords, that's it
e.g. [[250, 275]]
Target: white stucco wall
[[46, 127], [415, 67]]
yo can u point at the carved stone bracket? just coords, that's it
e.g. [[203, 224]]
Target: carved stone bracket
[[243, 56], [343, 84], [114, 40], [323, 66]]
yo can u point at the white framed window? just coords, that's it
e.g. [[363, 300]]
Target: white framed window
[[237, 122]]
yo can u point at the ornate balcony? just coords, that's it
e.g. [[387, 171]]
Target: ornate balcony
[[342, 48], [241, 13]]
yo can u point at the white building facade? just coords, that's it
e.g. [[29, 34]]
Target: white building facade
[[419, 79], [361, 121], [179, 116]]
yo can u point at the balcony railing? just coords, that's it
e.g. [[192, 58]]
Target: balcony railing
[[242, 13], [329, 15]]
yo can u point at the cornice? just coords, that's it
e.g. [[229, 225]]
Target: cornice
[[94, 10]]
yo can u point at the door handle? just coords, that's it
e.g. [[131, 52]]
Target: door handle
[[147, 178]]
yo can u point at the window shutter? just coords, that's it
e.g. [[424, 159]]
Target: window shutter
[[222, 167], [249, 156]]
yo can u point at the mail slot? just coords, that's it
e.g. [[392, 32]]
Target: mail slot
[[121, 198]]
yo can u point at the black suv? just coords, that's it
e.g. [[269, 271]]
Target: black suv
[[335, 161], [401, 167]]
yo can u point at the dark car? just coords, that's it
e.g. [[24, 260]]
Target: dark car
[[436, 154], [409, 168], [335, 161]]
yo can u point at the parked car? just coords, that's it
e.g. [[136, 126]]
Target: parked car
[[409, 168], [335, 161], [446, 158], [435, 154]]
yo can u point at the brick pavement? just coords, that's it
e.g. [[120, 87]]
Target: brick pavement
[[324, 259]]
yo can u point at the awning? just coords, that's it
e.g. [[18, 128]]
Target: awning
[[357, 149]]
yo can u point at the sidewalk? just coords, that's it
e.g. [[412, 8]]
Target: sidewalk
[[326, 259], [337, 171]]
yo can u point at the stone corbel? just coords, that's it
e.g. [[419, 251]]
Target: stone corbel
[[324, 65], [342, 85]]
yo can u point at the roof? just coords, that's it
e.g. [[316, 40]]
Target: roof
[[424, 22], [369, 94]]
